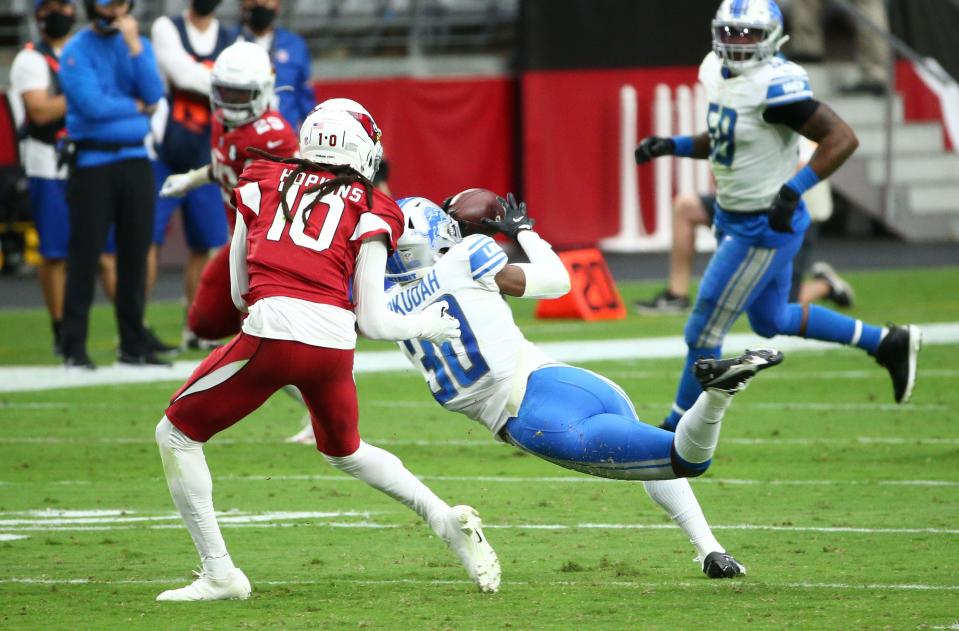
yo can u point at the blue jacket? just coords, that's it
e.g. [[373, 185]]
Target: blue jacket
[[291, 60], [101, 82]]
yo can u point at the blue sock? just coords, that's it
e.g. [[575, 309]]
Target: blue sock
[[829, 326], [689, 389]]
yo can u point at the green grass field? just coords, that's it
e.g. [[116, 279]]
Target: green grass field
[[844, 507]]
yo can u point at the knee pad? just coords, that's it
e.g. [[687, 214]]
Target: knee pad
[[168, 436]]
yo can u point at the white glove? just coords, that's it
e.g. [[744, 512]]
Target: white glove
[[437, 325], [179, 184]]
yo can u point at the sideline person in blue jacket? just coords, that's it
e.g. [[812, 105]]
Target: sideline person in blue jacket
[[111, 82], [289, 55]]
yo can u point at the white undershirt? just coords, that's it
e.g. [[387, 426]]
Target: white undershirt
[[29, 73], [179, 68]]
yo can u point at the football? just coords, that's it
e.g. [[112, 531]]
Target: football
[[471, 206]]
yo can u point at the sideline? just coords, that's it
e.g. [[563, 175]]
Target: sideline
[[32, 378]]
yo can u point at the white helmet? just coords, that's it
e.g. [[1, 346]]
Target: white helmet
[[747, 33], [341, 131], [427, 233], [241, 84]]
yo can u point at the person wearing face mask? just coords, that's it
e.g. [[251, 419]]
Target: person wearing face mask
[[34, 78], [112, 85], [289, 55], [186, 46]]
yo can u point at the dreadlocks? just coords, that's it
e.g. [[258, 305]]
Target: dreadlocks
[[343, 175]]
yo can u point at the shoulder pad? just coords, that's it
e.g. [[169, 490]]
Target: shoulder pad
[[785, 82], [485, 255]]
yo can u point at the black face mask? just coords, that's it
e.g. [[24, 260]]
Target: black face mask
[[205, 7], [259, 18], [55, 25]]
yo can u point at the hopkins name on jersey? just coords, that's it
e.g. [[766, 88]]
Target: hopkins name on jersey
[[309, 258], [475, 374], [751, 158]]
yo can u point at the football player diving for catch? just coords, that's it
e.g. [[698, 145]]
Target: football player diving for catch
[[304, 228], [569, 416], [759, 105]]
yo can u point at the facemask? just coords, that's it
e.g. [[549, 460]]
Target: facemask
[[55, 25], [259, 18], [205, 7]]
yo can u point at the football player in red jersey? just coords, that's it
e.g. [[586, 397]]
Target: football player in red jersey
[[304, 228], [240, 97]]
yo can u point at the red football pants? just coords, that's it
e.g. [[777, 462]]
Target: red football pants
[[213, 315], [236, 379]]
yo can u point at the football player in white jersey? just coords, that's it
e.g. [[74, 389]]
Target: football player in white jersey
[[566, 415], [759, 105]]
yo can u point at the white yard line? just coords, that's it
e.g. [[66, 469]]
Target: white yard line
[[27, 378], [738, 584], [123, 519]]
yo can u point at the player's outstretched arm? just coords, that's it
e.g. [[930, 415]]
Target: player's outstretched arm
[[179, 184], [682, 146], [544, 276], [373, 316]]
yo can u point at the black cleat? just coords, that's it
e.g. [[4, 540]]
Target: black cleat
[[663, 303], [79, 361], [149, 359], [840, 291], [897, 353], [722, 565], [732, 375], [155, 344]]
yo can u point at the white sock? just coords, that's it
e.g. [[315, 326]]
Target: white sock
[[697, 432], [385, 472], [191, 486], [677, 499]]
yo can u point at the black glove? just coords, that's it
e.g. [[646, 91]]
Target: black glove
[[781, 212], [514, 220], [653, 147]]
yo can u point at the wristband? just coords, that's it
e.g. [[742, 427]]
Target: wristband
[[683, 146], [804, 180]]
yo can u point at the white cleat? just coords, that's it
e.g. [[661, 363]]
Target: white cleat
[[236, 587], [465, 537], [304, 436]]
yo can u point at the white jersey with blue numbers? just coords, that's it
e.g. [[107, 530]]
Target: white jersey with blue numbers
[[473, 375], [751, 159]]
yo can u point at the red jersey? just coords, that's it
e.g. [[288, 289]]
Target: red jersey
[[270, 132], [313, 259]]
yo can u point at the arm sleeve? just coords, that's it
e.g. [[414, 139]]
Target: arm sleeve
[[546, 276], [373, 316], [174, 62], [793, 115], [147, 75], [78, 79], [239, 279]]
